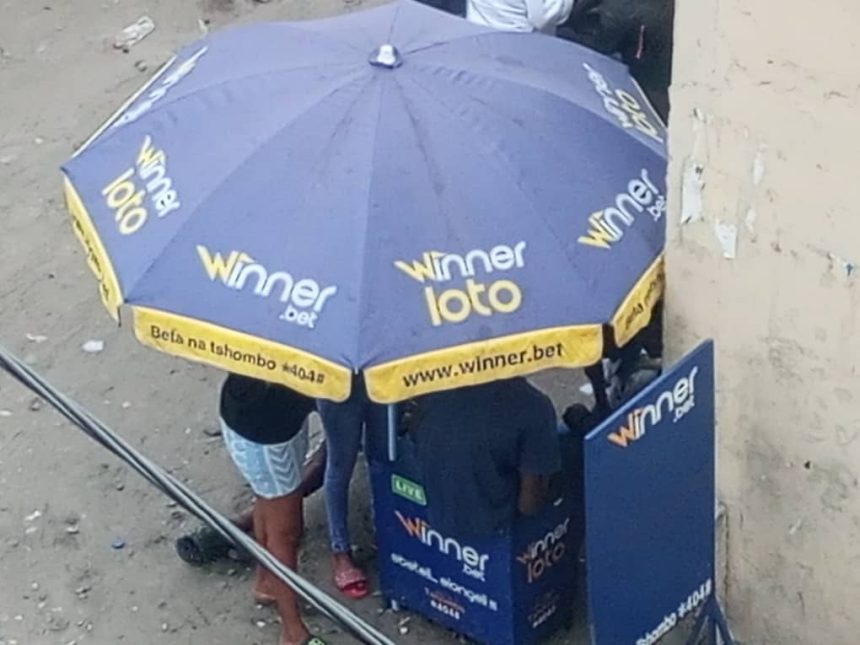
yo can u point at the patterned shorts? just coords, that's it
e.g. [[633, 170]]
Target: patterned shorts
[[272, 470]]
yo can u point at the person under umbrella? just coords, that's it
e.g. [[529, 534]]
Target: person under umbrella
[[456, 7], [265, 431], [639, 33], [348, 426], [520, 15], [490, 448]]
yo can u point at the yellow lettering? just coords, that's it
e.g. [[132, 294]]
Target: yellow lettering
[[117, 183], [625, 434], [417, 270], [515, 296], [475, 290], [461, 313], [629, 101], [216, 266], [120, 194], [132, 221], [456, 305], [412, 526], [149, 155], [599, 235], [122, 211], [430, 296], [638, 116]]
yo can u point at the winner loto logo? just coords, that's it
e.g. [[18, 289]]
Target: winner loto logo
[[304, 299], [622, 105], [676, 402], [144, 186], [607, 226], [457, 304], [544, 554], [474, 563]]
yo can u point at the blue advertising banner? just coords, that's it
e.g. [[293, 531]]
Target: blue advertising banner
[[650, 505]]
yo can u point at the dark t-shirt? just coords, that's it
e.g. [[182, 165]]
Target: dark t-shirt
[[473, 443], [457, 7], [262, 412]]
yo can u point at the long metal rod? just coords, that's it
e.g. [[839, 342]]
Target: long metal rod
[[186, 498]]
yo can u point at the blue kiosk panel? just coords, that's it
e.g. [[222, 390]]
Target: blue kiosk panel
[[650, 506], [512, 589]]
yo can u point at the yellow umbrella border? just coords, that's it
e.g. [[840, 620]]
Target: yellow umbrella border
[[452, 367]]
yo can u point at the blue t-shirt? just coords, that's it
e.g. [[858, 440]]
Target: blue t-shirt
[[473, 443]]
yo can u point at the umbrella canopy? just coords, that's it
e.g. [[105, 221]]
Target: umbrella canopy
[[394, 191]]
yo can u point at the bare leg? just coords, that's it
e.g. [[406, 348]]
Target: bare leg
[[245, 522], [278, 525], [311, 483]]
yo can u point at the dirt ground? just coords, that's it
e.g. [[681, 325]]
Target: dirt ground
[[64, 501]]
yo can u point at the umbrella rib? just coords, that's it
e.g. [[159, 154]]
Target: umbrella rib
[[364, 254], [495, 157], [603, 115], [479, 32], [394, 21], [130, 288], [492, 108], [490, 156], [162, 106]]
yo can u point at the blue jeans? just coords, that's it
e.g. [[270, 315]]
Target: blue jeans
[[346, 424]]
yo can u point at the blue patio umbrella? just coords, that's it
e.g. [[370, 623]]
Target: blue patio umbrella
[[394, 191]]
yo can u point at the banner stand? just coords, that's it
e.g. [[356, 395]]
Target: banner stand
[[650, 490], [711, 618]]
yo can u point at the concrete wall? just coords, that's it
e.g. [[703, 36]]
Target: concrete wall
[[765, 140]]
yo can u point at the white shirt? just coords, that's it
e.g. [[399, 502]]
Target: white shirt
[[519, 15]]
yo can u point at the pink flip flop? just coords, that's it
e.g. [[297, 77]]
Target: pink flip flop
[[352, 583]]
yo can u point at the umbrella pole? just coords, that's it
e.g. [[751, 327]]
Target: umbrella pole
[[392, 432]]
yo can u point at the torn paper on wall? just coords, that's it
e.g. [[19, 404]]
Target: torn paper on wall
[[727, 235], [691, 194], [758, 166], [749, 220]]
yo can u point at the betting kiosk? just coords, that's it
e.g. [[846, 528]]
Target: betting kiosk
[[650, 508], [514, 589]]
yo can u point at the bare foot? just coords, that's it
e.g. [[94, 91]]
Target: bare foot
[[295, 636], [263, 598], [263, 592]]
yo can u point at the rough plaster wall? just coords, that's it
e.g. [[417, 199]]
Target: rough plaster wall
[[767, 102]]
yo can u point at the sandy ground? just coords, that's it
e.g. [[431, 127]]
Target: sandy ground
[[59, 78]]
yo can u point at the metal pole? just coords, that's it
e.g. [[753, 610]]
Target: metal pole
[[392, 432]]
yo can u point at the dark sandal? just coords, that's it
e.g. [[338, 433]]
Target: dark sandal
[[206, 545]]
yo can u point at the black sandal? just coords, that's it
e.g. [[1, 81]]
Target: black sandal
[[206, 545]]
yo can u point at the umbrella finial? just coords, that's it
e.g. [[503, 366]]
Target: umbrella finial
[[386, 56]]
